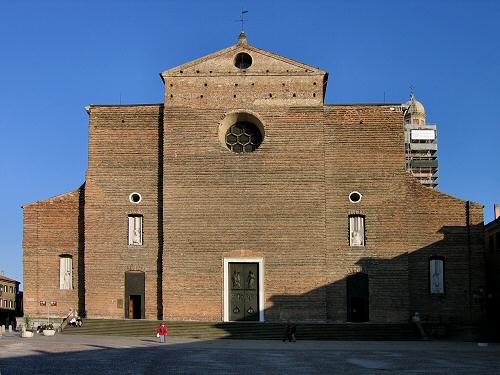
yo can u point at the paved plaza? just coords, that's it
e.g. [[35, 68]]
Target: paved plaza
[[119, 355]]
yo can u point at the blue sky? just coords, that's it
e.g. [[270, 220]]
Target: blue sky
[[57, 56]]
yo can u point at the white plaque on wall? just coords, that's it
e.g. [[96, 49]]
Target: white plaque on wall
[[423, 134]]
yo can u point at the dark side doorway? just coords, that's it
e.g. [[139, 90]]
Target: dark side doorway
[[357, 298], [134, 295]]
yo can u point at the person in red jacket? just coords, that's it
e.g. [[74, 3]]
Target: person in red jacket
[[162, 332]]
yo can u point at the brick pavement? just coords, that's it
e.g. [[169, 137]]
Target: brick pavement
[[118, 355]]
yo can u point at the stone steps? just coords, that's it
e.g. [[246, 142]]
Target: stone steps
[[247, 330]]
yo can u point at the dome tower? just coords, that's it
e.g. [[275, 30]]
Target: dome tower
[[415, 113]]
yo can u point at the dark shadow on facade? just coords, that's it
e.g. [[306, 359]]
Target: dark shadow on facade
[[81, 253], [390, 291], [159, 263]]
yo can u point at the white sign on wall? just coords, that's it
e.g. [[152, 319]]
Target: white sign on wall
[[423, 135]]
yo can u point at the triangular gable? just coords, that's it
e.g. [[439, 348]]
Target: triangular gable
[[223, 62]]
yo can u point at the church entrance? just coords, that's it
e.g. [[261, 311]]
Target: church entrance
[[357, 297], [134, 295], [243, 291], [134, 306]]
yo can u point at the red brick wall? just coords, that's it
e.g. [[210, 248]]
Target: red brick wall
[[51, 228], [269, 204], [123, 158], [441, 225], [364, 152], [286, 203]]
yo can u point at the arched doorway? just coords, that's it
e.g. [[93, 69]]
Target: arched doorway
[[357, 297], [134, 295]]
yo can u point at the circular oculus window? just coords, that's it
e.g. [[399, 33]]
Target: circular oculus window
[[243, 60], [355, 197], [135, 198], [243, 137]]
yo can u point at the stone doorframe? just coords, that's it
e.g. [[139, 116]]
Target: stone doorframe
[[226, 284]]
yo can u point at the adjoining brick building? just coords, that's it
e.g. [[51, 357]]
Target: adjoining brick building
[[10, 301], [492, 240], [245, 197]]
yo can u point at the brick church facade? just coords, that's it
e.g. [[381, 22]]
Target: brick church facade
[[243, 196]]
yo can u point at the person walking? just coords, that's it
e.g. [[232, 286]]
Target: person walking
[[290, 331], [162, 332], [293, 331]]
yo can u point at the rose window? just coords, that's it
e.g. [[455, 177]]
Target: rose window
[[243, 137]]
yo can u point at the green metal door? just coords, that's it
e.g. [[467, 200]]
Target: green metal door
[[243, 291]]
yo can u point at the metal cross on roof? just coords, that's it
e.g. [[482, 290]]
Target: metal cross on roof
[[242, 19]]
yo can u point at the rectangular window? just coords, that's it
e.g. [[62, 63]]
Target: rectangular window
[[497, 240], [135, 230], [491, 244], [356, 230], [66, 272], [436, 275]]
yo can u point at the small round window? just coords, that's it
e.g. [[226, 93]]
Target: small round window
[[242, 60], [135, 198], [355, 197], [243, 137]]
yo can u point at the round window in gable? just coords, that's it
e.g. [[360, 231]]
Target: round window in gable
[[135, 198], [243, 137], [242, 60], [355, 197]]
